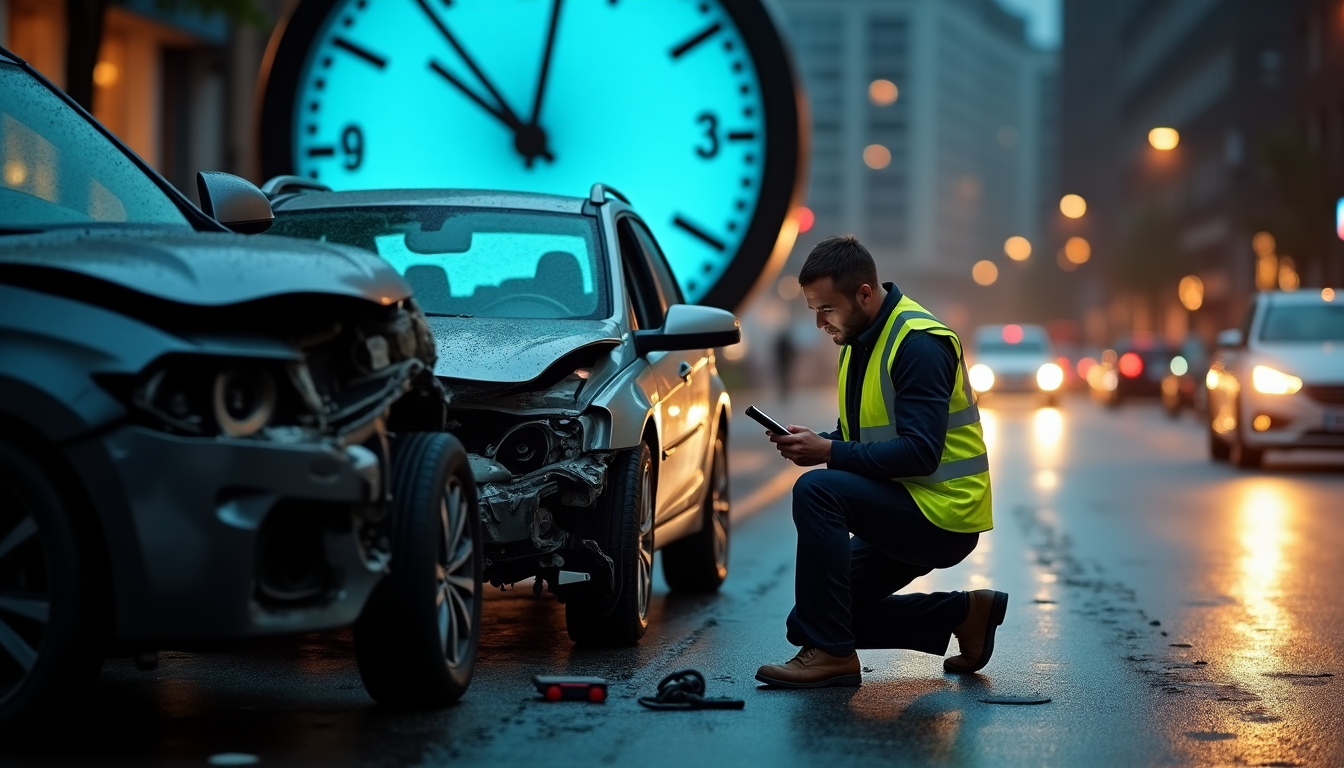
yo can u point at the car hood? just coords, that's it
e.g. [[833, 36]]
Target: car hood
[[208, 269], [1012, 363], [508, 350], [1314, 363]]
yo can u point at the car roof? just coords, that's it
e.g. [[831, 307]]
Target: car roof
[[1289, 298], [466, 198], [993, 332]]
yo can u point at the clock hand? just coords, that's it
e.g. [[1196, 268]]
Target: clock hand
[[541, 83], [506, 118], [512, 120]]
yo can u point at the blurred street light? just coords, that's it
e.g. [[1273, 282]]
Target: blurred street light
[[1077, 250], [876, 156], [1017, 247], [1288, 277], [789, 287], [105, 73], [1327, 294], [1073, 206], [985, 272], [1164, 139], [1191, 292], [1262, 243], [883, 93]]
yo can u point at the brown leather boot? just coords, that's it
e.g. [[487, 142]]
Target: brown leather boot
[[975, 635], [813, 668]]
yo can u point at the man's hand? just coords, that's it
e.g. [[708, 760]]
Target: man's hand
[[803, 446]]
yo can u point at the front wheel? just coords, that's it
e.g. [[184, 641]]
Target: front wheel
[[699, 562], [417, 638], [622, 526], [1241, 455]]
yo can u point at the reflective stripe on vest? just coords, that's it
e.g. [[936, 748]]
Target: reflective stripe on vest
[[956, 496]]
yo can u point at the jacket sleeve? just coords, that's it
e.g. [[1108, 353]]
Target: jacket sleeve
[[923, 377]]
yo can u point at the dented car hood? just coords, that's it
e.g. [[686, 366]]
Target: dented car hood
[[511, 351], [207, 269]]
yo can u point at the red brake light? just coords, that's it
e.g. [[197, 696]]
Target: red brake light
[[1012, 333], [1130, 365]]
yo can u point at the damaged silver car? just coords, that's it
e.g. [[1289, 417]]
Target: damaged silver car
[[583, 387]]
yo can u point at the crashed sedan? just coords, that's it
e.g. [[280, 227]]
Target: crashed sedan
[[206, 435], [583, 387]]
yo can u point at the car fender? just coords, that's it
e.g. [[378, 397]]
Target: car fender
[[46, 379], [627, 404]]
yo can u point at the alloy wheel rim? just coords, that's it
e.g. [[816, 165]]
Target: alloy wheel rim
[[455, 575], [645, 565], [25, 594], [720, 507]]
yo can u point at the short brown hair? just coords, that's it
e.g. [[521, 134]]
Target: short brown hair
[[844, 260]]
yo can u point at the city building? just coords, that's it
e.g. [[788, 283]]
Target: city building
[[931, 135], [1203, 135]]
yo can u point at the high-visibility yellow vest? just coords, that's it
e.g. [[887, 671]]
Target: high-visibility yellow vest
[[956, 497]]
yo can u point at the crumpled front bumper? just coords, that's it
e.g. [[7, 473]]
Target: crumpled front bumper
[[183, 515]]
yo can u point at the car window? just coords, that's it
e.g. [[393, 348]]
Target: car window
[[1303, 323], [56, 169], [667, 285], [472, 261], [1024, 347], [1244, 325], [649, 304]]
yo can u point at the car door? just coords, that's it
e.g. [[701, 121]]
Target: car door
[[681, 376]]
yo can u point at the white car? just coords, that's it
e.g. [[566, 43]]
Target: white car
[[1277, 380], [1015, 358]]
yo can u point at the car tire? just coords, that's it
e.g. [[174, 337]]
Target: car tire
[[699, 562], [622, 526], [49, 602], [1240, 454], [1219, 450], [416, 639]]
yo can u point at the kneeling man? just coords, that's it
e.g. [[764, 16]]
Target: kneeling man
[[906, 473]]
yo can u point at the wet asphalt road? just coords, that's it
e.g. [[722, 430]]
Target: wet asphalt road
[[1177, 612]]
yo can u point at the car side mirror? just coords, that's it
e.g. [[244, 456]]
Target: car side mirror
[[234, 202], [1231, 338], [690, 326]]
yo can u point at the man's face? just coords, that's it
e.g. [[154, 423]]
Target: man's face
[[842, 316]]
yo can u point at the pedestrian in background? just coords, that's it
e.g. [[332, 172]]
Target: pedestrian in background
[[906, 473]]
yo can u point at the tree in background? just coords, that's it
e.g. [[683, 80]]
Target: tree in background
[[84, 34]]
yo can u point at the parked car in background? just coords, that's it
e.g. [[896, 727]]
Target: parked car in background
[[1134, 367], [1183, 386], [1277, 380], [584, 388], [196, 429], [1015, 358]]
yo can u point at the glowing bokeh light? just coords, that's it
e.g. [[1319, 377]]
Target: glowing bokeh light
[[1191, 292], [883, 93], [1077, 250], [982, 378], [1164, 139], [1073, 206], [1179, 365], [876, 156], [1017, 248], [1012, 333], [806, 218], [985, 272], [1130, 365]]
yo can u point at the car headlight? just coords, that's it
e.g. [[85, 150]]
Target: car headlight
[[1211, 379], [1268, 381], [982, 378], [1049, 377], [244, 400]]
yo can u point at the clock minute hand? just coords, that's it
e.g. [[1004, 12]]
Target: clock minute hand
[[504, 112], [506, 118], [546, 63]]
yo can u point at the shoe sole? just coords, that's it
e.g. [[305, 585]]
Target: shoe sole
[[997, 612], [840, 681]]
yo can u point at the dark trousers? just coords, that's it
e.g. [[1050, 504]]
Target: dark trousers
[[844, 586]]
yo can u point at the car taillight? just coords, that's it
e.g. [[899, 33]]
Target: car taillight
[[1130, 365]]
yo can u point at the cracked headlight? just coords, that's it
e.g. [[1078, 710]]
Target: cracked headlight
[[209, 396], [244, 400]]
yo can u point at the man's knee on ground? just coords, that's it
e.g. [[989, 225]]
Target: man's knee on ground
[[813, 487]]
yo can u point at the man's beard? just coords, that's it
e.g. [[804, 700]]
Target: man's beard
[[850, 331]]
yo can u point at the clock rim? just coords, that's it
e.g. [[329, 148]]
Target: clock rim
[[768, 237]]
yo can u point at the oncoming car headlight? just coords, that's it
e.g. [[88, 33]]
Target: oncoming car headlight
[[1049, 377], [1268, 381], [982, 378], [244, 400]]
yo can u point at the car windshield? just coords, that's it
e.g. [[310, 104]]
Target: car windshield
[[474, 262], [59, 170], [1024, 347], [1303, 323]]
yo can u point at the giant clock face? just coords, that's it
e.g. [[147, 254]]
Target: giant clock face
[[688, 107]]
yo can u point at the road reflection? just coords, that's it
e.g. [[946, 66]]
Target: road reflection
[[1264, 522]]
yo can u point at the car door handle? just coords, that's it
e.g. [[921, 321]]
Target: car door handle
[[684, 370]]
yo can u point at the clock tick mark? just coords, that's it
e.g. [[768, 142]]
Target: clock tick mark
[[326, 62], [348, 21], [321, 151], [699, 234], [748, 111], [732, 226], [312, 174], [699, 38], [749, 158], [363, 53], [320, 84], [727, 45], [312, 106], [704, 7], [741, 205], [742, 136], [312, 129], [737, 66], [708, 267], [746, 182]]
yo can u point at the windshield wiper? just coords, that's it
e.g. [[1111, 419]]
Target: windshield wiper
[[444, 314], [8, 231]]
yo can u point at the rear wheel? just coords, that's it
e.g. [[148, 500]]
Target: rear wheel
[[48, 616], [699, 563], [622, 526], [417, 638]]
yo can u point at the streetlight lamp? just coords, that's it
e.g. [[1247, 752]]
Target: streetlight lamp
[[1073, 206], [1164, 139]]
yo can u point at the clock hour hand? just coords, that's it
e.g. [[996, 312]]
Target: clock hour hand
[[535, 124], [507, 118]]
